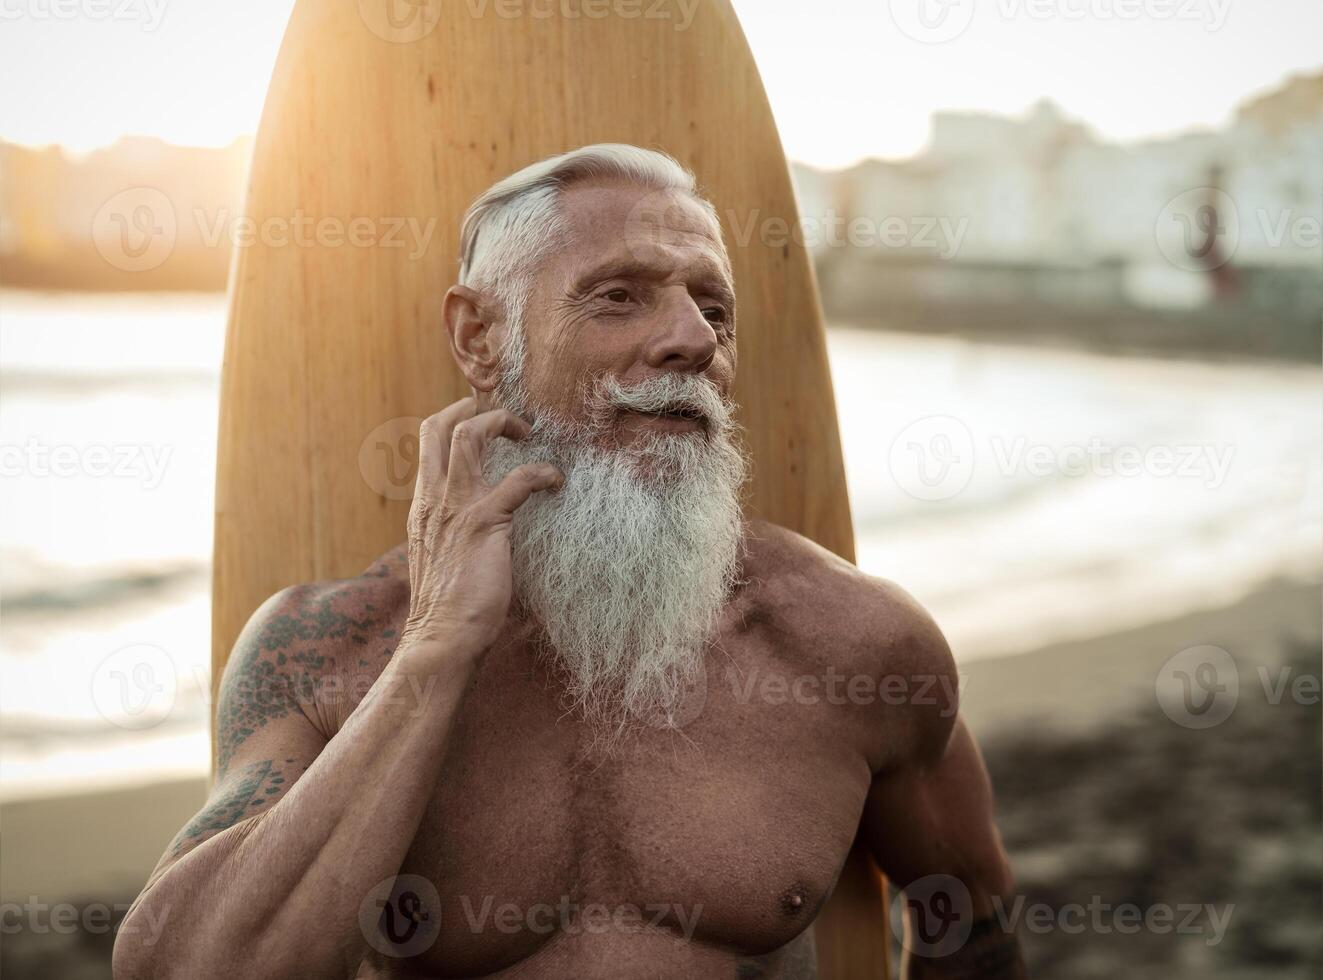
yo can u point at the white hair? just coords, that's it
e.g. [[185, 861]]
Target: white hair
[[512, 225], [628, 566]]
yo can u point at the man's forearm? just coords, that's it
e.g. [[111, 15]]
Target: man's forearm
[[284, 889]]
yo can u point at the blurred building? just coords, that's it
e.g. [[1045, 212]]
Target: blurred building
[[55, 209], [1031, 217], [1015, 226]]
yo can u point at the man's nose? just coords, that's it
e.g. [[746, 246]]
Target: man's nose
[[682, 339]]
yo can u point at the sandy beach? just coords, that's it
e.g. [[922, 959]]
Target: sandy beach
[[1107, 802], [1101, 798], [1078, 686]]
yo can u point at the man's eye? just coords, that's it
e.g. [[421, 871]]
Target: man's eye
[[715, 314], [617, 295]]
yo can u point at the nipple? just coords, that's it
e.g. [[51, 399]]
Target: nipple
[[792, 902]]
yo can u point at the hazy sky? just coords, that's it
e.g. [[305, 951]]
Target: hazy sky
[[847, 78]]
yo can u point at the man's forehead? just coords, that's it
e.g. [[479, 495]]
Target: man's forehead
[[641, 231], [618, 202], [616, 261]]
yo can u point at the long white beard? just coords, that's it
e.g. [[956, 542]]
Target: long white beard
[[627, 566]]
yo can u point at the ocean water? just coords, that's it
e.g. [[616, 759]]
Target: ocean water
[[1024, 495], [1030, 495]]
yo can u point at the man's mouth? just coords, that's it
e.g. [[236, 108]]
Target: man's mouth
[[678, 417]]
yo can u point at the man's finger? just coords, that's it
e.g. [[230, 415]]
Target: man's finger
[[468, 449], [447, 419], [519, 484], [434, 445]]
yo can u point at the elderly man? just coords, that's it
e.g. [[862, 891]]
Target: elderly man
[[588, 721]]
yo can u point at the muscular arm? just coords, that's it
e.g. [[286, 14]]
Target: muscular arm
[[929, 823], [930, 827], [267, 879]]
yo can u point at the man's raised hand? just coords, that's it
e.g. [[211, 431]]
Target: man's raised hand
[[459, 528]]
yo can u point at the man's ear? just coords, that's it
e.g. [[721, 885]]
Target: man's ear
[[475, 342]]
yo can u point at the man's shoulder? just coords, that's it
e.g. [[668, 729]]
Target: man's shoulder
[[799, 573], [836, 614], [313, 648], [328, 611]]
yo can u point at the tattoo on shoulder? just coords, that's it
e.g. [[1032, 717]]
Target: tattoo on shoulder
[[393, 564], [280, 667], [247, 792]]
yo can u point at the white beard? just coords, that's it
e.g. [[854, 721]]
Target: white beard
[[626, 567]]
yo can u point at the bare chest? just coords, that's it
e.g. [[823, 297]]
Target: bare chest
[[727, 833]]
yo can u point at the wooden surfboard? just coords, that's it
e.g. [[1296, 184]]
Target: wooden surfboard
[[385, 118]]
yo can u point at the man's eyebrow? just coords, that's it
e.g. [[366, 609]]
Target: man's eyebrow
[[710, 276], [618, 269]]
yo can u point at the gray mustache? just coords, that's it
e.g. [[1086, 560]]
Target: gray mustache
[[667, 393]]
